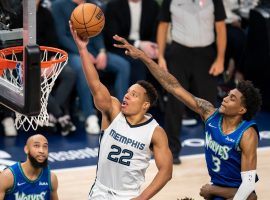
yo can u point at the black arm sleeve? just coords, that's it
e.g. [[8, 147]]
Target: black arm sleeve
[[219, 12], [165, 14]]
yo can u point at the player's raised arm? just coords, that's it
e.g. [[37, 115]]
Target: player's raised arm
[[101, 95], [168, 81]]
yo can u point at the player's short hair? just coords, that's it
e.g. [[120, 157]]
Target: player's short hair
[[252, 99], [151, 91]]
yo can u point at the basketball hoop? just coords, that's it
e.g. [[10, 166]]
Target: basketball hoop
[[11, 70]]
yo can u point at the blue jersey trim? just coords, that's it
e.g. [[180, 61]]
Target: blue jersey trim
[[211, 116], [9, 191], [27, 179]]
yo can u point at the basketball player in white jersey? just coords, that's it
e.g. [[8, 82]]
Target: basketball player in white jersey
[[129, 138]]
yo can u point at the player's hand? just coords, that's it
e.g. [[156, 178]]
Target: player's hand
[[217, 67], [162, 63], [80, 42], [205, 191], [101, 61], [130, 49]]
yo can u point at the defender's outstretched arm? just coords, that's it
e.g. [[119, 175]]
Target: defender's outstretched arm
[[167, 80]]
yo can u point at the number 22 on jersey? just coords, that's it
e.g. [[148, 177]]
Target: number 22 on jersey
[[118, 155]]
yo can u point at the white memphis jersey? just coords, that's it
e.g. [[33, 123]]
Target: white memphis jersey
[[124, 154]]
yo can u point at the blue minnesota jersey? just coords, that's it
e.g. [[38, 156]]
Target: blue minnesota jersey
[[23, 188], [222, 151]]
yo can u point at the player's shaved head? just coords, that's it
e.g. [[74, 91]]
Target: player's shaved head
[[36, 138]]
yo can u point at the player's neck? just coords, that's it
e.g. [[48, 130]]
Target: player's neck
[[29, 171], [136, 119], [229, 124]]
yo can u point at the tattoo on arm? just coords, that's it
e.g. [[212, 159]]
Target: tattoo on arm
[[168, 81], [205, 106]]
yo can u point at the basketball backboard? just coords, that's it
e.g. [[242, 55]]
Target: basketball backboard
[[23, 94]]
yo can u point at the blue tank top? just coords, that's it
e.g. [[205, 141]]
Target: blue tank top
[[23, 188], [222, 152]]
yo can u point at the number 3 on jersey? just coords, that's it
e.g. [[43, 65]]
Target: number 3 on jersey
[[216, 162], [119, 155]]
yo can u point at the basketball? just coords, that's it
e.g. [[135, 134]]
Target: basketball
[[88, 20]]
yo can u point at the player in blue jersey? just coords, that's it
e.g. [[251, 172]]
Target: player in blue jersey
[[231, 136], [129, 138], [31, 179]]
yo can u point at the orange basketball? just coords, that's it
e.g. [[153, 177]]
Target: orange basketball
[[88, 20]]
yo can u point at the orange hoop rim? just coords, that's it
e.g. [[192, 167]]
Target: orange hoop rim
[[7, 63]]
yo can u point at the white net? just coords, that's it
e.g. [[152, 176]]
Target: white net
[[48, 77]]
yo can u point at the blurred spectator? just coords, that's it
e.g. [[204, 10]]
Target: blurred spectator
[[7, 121], [11, 14], [58, 103], [257, 58], [192, 58], [236, 42], [245, 6], [104, 61], [136, 22]]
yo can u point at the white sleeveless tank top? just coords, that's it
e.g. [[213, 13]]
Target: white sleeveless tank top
[[124, 153]]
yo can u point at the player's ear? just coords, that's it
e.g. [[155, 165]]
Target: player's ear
[[243, 110], [26, 149], [146, 105]]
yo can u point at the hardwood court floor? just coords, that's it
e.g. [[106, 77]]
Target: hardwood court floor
[[74, 184]]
